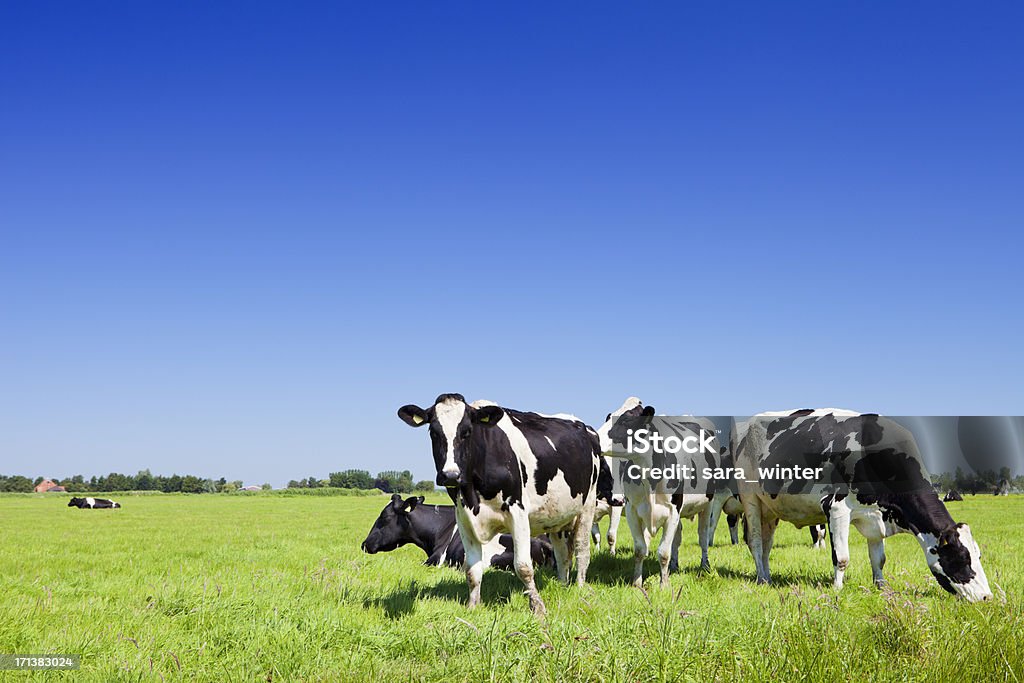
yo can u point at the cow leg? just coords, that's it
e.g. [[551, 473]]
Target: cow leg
[[673, 565], [560, 547], [839, 535], [474, 569], [639, 532], [734, 535], [714, 515], [752, 511], [595, 534], [768, 528], [582, 544], [668, 538], [874, 531], [613, 527], [704, 537], [524, 562]]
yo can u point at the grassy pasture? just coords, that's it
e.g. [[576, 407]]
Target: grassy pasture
[[275, 588]]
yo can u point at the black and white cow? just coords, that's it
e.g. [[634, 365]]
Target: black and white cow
[[871, 475], [653, 504], [432, 529], [92, 503], [514, 471], [609, 504]]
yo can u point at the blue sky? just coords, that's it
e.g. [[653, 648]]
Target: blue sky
[[235, 238]]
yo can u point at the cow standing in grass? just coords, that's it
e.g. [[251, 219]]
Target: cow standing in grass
[[653, 504], [609, 504], [871, 475], [514, 471]]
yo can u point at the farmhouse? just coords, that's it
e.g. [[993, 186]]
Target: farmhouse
[[47, 485]]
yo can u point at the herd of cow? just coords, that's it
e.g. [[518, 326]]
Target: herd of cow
[[528, 488]]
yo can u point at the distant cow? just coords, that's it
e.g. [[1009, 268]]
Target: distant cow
[[508, 470], [952, 496], [871, 475], [432, 529], [92, 503]]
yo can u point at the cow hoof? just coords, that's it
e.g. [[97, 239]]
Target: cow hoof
[[638, 582], [763, 581], [704, 569], [538, 607], [881, 584]]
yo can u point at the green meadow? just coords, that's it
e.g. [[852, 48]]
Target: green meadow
[[275, 588]]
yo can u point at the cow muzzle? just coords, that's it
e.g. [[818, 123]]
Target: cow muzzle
[[448, 479]]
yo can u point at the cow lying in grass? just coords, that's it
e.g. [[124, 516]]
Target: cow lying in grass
[[433, 530], [92, 503]]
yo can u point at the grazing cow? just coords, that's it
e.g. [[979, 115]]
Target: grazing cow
[[514, 471], [850, 468], [92, 503], [432, 529], [653, 504], [609, 505]]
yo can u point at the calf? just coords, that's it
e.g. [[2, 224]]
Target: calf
[[92, 503], [653, 504], [508, 470], [432, 529], [871, 475]]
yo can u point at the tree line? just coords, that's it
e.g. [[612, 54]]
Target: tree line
[[984, 481], [143, 481], [388, 481]]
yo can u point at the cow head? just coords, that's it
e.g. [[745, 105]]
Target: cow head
[[451, 421], [955, 560], [613, 431], [393, 527], [74, 502]]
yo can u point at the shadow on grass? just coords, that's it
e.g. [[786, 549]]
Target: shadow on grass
[[498, 588]]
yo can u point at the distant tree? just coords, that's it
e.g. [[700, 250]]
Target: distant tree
[[396, 482], [266, 487], [424, 486], [219, 484], [191, 484], [296, 485], [18, 484], [144, 481], [312, 483], [351, 479]]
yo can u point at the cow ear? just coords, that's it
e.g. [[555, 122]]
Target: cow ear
[[487, 415], [396, 501], [414, 416], [648, 411], [412, 502]]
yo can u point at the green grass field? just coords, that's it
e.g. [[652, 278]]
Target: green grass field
[[275, 588]]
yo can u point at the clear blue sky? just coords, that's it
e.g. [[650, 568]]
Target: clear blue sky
[[236, 237]]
